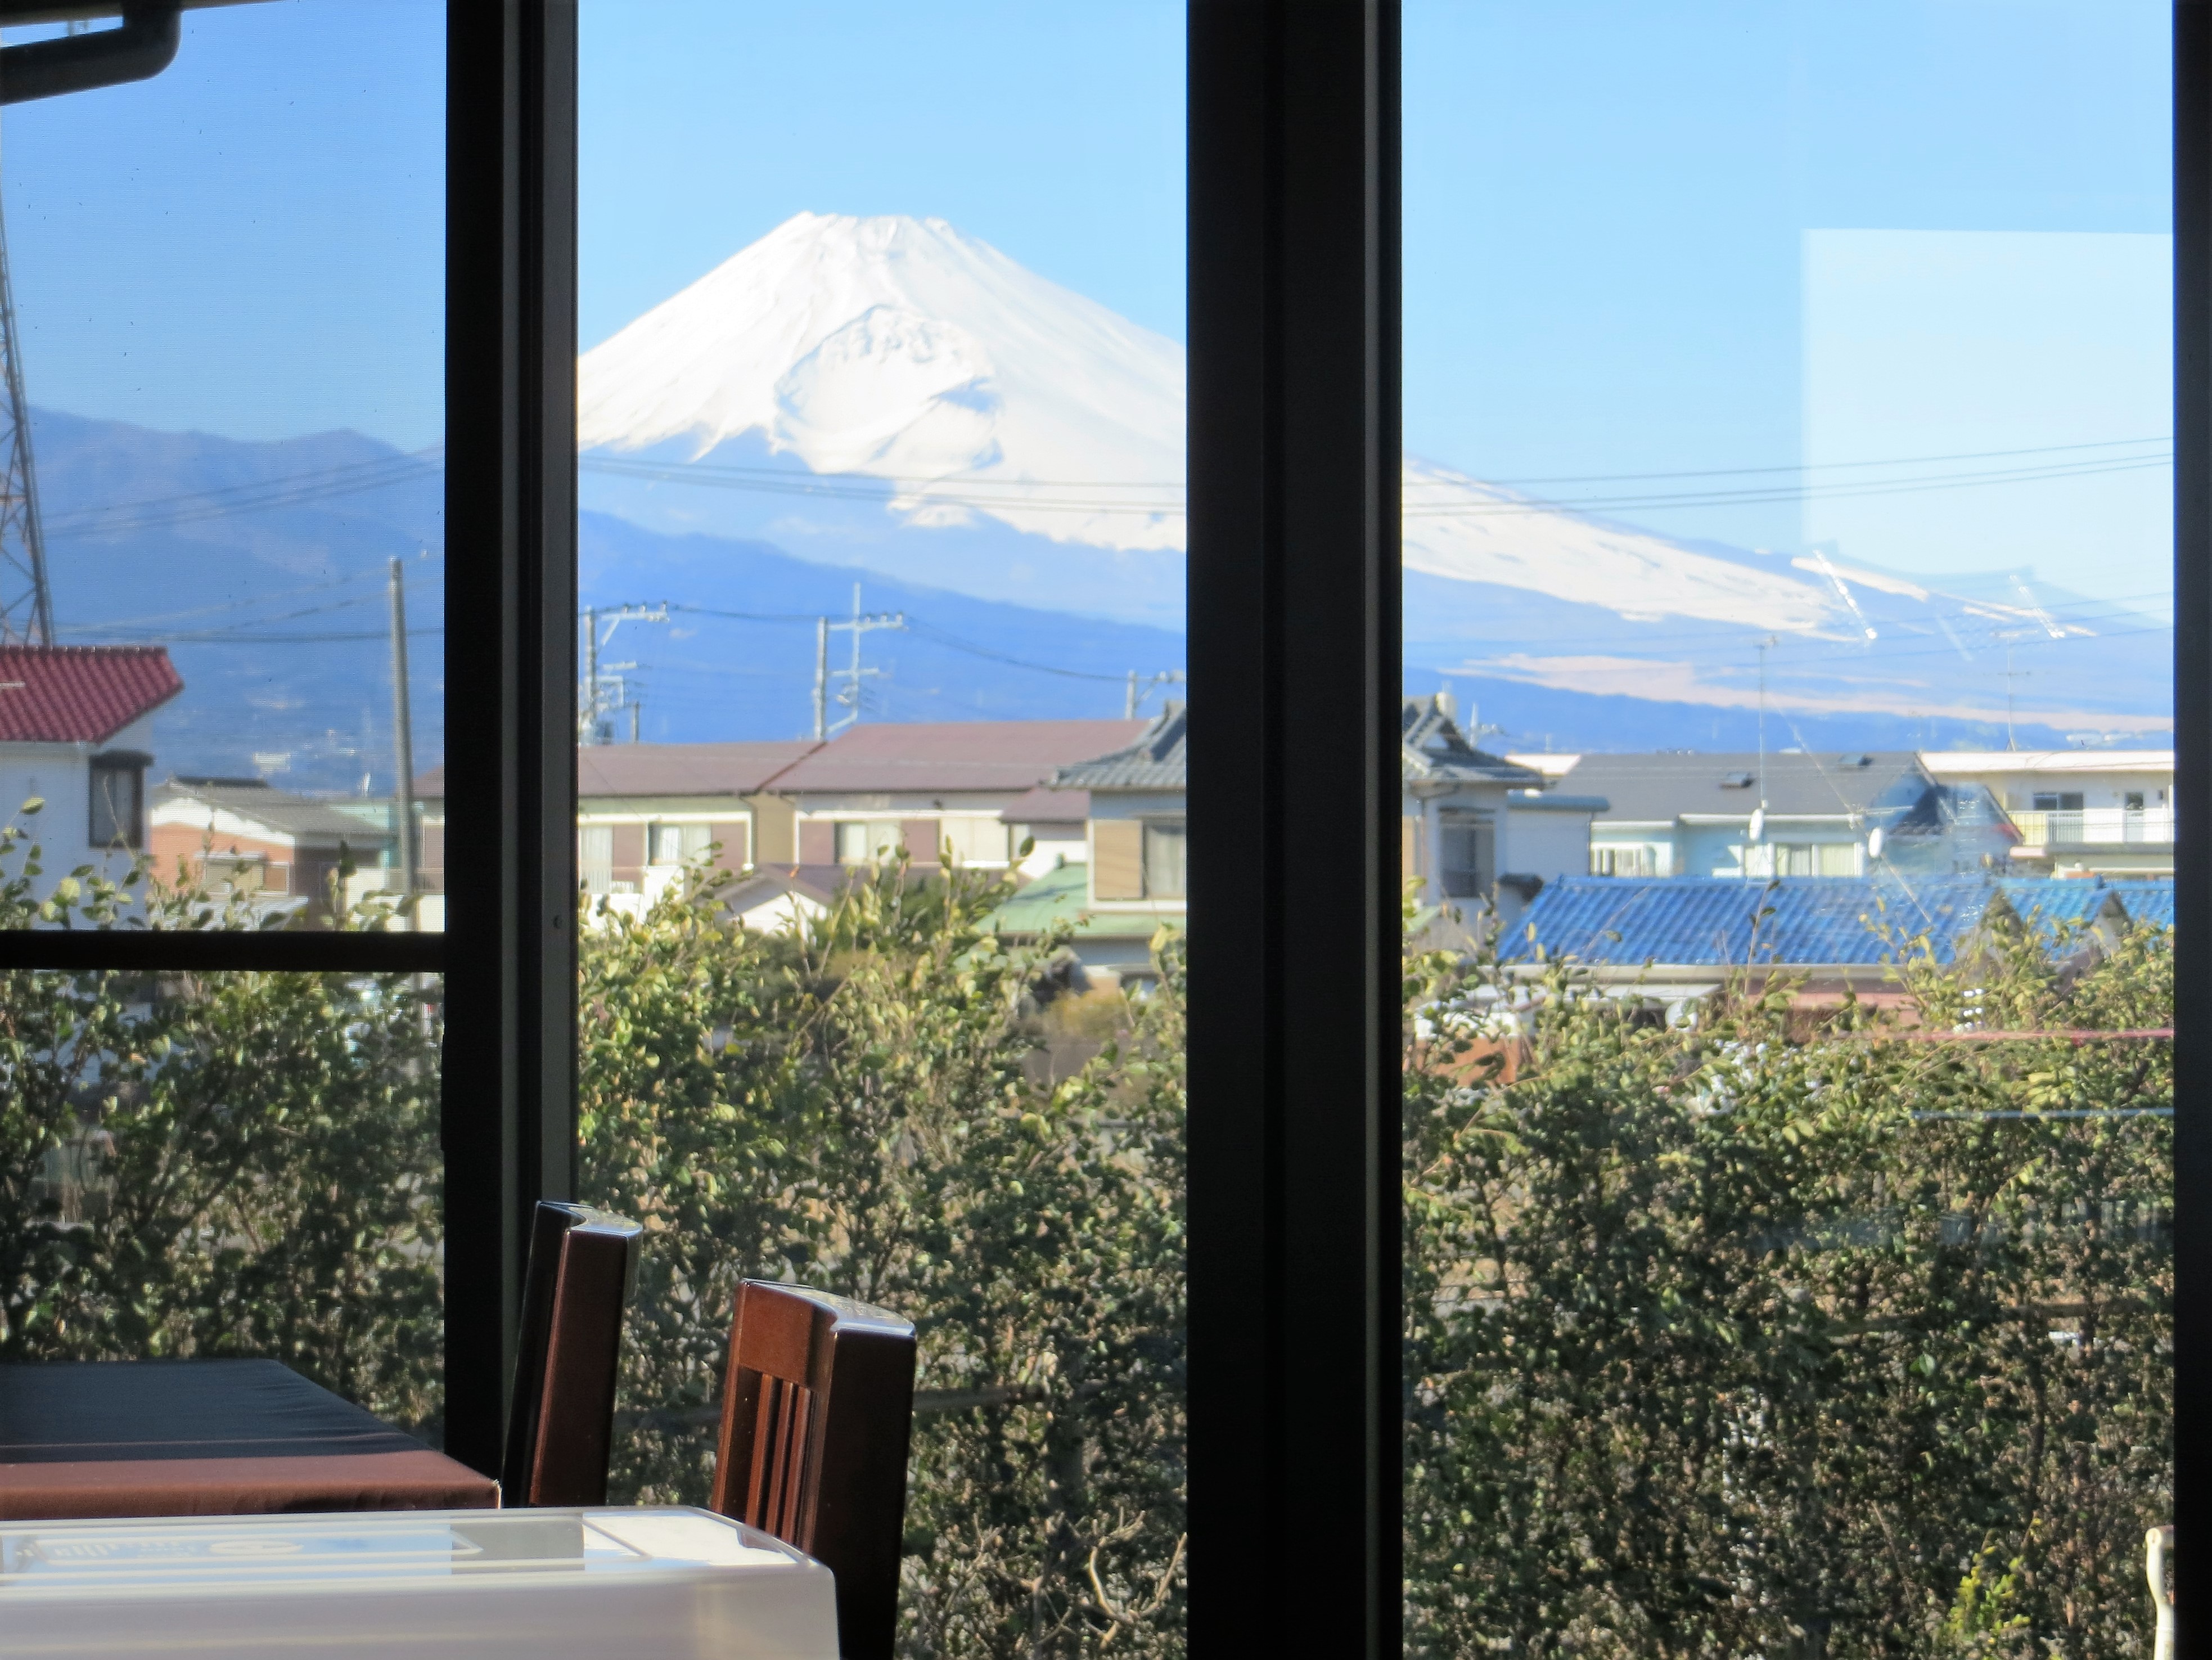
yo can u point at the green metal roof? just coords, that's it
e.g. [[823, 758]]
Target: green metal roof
[[1059, 897]]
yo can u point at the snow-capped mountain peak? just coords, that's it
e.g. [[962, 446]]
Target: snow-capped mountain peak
[[899, 349]]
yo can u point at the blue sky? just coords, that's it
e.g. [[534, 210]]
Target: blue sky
[[1608, 203]]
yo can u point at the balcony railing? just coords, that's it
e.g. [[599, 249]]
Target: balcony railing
[[2096, 827]]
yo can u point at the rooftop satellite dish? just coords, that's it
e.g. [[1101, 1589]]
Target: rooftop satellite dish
[[1873, 842], [1759, 825]]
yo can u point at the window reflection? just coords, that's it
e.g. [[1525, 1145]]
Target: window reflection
[[1788, 1105]]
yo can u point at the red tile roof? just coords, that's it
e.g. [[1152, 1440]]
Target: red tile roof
[[961, 755], [80, 694]]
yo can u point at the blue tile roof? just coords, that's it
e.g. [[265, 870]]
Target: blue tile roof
[[1717, 922], [2048, 902], [2149, 900]]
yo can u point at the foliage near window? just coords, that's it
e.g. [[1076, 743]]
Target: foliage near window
[[1741, 1339], [865, 1109], [219, 1165]]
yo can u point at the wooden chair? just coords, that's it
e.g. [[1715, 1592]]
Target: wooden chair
[[583, 1263], [817, 1410]]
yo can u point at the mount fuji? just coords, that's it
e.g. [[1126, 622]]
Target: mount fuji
[[893, 394]]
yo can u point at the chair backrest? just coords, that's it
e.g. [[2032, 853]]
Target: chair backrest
[[583, 1263], [817, 1410]]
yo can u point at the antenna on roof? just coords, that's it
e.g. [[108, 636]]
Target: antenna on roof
[[26, 608]]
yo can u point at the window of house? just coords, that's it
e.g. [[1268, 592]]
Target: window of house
[[595, 856], [867, 840], [1634, 861], [118, 800], [2132, 800], [1837, 859], [2058, 800], [981, 842], [1467, 852], [675, 844], [1165, 869]]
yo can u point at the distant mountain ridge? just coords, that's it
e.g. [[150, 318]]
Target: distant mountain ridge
[[891, 393]]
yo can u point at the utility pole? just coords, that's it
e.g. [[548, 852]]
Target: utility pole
[[821, 679], [848, 696], [26, 608], [1757, 827], [403, 738], [2011, 675], [604, 690], [1138, 693]]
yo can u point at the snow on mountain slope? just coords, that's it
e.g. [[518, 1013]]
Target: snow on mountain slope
[[901, 349], [1457, 526]]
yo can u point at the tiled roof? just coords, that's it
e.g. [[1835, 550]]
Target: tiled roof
[[1648, 788], [682, 769], [2049, 903], [1709, 921], [298, 816], [961, 755], [1157, 760], [80, 694], [1434, 747], [2148, 900]]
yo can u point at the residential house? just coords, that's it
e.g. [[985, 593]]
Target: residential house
[[1480, 832], [645, 811], [76, 733], [2079, 812], [1053, 825], [923, 789], [244, 836], [1134, 877], [1680, 813]]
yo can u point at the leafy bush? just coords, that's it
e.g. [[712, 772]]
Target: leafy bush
[[1731, 1339], [217, 1165], [1754, 1336], [852, 1108]]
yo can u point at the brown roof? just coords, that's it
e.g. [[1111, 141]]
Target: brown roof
[[683, 769], [80, 694], [961, 755]]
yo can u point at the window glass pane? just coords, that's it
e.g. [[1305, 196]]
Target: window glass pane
[[881, 409], [1787, 573], [227, 316], [229, 1166]]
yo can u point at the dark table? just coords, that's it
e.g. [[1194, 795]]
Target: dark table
[[206, 1437]]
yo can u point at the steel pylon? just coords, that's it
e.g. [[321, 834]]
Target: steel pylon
[[26, 607]]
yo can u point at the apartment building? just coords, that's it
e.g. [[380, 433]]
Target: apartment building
[[1746, 817], [2078, 812]]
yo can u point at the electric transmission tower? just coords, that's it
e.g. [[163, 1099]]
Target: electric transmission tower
[[26, 608]]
